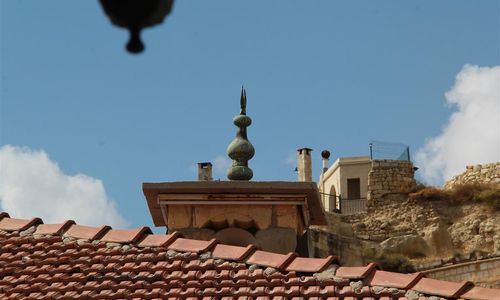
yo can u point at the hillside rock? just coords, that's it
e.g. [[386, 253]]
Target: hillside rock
[[487, 173], [439, 240], [447, 229], [410, 245]]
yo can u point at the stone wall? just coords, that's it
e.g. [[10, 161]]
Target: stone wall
[[389, 176], [487, 173], [482, 272]]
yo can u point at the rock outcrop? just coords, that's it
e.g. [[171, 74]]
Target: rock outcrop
[[410, 245], [439, 240], [424, 232], [487, 173]]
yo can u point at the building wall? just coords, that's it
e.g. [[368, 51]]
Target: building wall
[[360, 171], [482, 272], [329, 185], [389, 176], [336, 176]]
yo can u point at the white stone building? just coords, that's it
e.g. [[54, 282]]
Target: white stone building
[[345, 182]]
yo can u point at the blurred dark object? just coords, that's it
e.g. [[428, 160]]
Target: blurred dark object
[[136, 15]]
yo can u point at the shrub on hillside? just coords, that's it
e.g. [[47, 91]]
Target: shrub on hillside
[[490, 197], [429, 194], [465, 193], [395, 263]]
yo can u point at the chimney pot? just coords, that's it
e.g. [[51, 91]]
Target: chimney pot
[[205, 171], [304, 167]]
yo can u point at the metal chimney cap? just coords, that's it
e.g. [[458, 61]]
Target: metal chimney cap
[[325, 154], [204, 164], [307, 150]]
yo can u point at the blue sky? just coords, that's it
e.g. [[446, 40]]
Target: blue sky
[[324, 74]]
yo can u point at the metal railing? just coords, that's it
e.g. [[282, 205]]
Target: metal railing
[[352, 206], [346, 206]]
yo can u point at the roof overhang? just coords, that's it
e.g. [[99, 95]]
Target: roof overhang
[[303, 194]]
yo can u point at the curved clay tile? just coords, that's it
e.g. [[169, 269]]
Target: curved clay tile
[[100, 263]]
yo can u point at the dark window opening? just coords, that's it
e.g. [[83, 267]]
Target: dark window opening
[[353, 188]]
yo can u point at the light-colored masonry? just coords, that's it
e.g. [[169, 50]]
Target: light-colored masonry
[[482, 271], [389, 176]]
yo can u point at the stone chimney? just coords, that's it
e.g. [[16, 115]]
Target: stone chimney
[[304, 167], [205, 171]]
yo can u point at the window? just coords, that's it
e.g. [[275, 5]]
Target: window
[[353, 188]]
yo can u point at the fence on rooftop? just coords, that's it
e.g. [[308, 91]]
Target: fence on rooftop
[[386, 150]]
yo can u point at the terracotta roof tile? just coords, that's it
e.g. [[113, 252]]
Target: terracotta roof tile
[[269, 259], [312, 265], [394, 280], [189, 245], [47, 265], [125, 235], [482, 294], [54, 229], [349, 291], [87, 232], [158, 240], [356, 272], [10, 224], [441, 288], [228, 252]]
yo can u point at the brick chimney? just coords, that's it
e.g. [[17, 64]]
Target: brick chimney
[[205, 171], [304, 167]]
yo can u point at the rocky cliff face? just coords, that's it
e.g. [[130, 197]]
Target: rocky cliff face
[[424, 234], [423, 231], [428, 233]]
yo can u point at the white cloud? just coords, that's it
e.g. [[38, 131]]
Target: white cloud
[[32, 185], [291, 159], [472, 134], [220, 165]]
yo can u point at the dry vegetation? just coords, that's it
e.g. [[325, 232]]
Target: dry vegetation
[[395, 263], [461, 194]]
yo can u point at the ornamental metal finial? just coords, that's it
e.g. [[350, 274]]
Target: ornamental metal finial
[[241, 150]]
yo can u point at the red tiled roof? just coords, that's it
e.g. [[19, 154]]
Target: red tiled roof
[[69, 261]]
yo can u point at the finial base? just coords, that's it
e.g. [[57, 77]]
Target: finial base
[[239, 173]]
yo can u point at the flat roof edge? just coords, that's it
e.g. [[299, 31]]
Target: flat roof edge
[[151, 190]]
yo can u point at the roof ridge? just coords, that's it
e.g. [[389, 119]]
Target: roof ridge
[[323, 269]]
